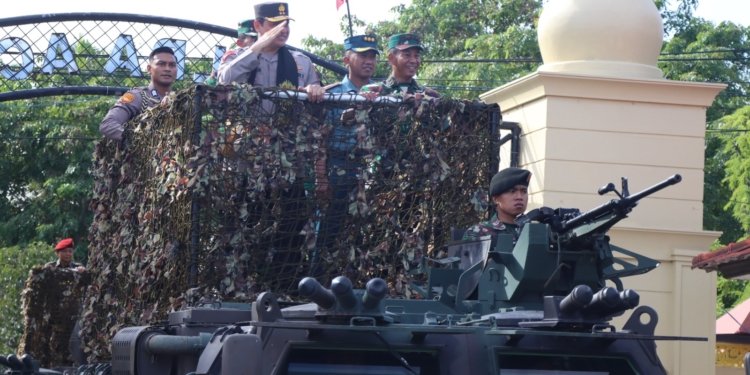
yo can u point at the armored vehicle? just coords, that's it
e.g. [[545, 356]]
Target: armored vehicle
[[535, 304]]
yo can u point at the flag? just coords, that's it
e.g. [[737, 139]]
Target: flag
[[339, 3]]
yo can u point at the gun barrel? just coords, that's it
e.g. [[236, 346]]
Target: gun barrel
[[623, 205], [653, 189]]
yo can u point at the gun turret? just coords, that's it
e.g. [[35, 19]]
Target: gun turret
[[566, 254]]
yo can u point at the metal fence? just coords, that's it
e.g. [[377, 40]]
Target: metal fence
[[105, 53]]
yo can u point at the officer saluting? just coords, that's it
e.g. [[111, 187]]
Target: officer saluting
[[268, 62], [162, 66]]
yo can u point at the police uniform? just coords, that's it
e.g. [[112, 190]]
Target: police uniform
[[501, 182], [130, 105], [260, 68]]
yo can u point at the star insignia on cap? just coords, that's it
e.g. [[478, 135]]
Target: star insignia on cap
[[282, 9]]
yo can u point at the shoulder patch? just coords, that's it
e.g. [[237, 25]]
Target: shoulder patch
[[127, 98]]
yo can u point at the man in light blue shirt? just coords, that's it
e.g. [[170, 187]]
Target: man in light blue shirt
[[336, 172]]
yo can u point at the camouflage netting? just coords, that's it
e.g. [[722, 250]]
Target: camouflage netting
[[51, 305], [212, 192]]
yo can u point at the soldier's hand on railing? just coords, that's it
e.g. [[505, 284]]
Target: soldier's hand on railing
[[315, 93]]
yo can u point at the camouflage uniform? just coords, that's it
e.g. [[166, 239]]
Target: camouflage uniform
[[392, 88], [56, 264], [491, 227], [130, 105]]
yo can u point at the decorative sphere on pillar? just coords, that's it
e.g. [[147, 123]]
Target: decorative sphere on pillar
[[612, 38]]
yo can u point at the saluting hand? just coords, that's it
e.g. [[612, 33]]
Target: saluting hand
[[264, 41]]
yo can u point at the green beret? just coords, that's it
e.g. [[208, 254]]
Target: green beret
[[404, 41], [508, 178], [246, 28]]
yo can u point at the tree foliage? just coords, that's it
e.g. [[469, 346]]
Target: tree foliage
[[704, 52], [701, 51], [45, 186]]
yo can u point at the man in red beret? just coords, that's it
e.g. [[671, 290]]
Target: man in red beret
[[64, 251]]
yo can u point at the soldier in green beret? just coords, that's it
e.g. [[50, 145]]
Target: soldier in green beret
[[509, 194], [405, 58]]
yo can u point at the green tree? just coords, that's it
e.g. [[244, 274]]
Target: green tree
[[45, 186], [15, 263], [702, 51], [735, 134]]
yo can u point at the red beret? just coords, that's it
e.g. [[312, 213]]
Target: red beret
[[68, 242]]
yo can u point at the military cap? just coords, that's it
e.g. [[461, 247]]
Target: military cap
[[404, 41], [508, 178], [64, 244], [246, 28], [273, 12], [361, 43]]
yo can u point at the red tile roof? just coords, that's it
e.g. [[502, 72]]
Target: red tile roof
[[732, 260]]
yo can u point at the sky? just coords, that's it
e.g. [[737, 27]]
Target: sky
[[318, 17]]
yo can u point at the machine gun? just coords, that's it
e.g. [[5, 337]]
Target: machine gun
[[570, 225]]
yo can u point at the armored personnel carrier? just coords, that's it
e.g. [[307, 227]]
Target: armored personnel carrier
[[538, 304]]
